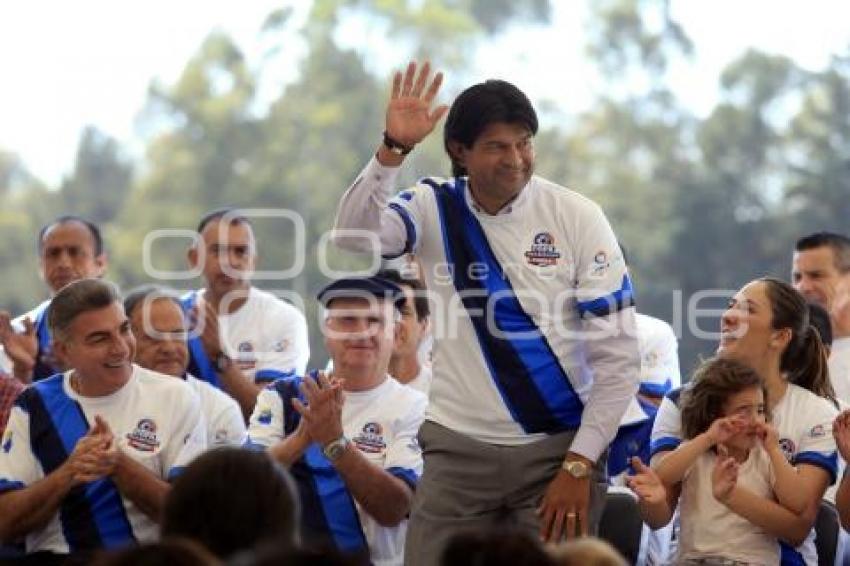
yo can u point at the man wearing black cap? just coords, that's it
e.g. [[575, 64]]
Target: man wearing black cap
[[349, 437]]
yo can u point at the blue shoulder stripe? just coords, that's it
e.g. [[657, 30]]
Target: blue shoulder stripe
[[42, 369], [655, 389], [200, 364], [527, 373]]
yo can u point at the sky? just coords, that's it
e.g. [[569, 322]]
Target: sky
[[69, 64]]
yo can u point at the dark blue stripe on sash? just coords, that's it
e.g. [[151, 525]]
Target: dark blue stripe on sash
[[409, 228], [200, 364], [528, 374], [92, 515], [789, 556], [328, 510], [42, 369], [618, 300], [337, 505]]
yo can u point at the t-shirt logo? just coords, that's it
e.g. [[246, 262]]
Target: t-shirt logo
[[543, 252], [245, 358], [371, 439], [6, 445], [144, 437]]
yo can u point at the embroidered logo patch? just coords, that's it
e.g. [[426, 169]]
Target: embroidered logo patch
[[144, 437], [818, 431], [543, 252], [265, 416], [245, 358], [600, 263], [371, 439]]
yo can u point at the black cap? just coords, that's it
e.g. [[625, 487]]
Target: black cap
[[362, 287]]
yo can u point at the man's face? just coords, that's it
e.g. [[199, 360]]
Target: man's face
[[814, 274], [68, 255], [99, 346], [160, 331], [359, 333], [501, 160], [411, 329], [227, 257]]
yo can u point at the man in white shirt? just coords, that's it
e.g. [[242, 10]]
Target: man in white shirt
[[350, 437], [820, 268], [248, 337], [535, 355], [87, 454], [70, 248], [159, 326], [405, 363]]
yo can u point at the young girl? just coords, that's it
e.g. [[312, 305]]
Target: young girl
[[727, 476]]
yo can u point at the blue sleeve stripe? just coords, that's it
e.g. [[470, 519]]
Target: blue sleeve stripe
[[175, 472], [609, 304], [655, 389], [409, 227], [664, 444], [10, 485], [406, 475], [827, 461], [264, 376]]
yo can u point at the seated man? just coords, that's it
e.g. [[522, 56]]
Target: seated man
[[248, 337], [87, 453], [350, 437], [405, 365], [70, 248], [156, 318]]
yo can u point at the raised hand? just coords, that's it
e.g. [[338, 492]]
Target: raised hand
[[724, 476], [22, 349], [841, 433], [768, 435], [721, 430], [645, 483], [409, 115], [322, 412]]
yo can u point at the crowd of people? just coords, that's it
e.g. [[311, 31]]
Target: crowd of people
[[485, 389]]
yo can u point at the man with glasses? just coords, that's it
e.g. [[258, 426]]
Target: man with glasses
[[350, 437]]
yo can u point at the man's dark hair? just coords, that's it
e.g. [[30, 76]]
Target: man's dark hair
[[480, 105], [232, 499], [137, 297], [93, 229], [838, 243], [232, 213], [420, 293], [76, 298]]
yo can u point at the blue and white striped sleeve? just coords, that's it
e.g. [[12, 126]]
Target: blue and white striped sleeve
[[368, 215]]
